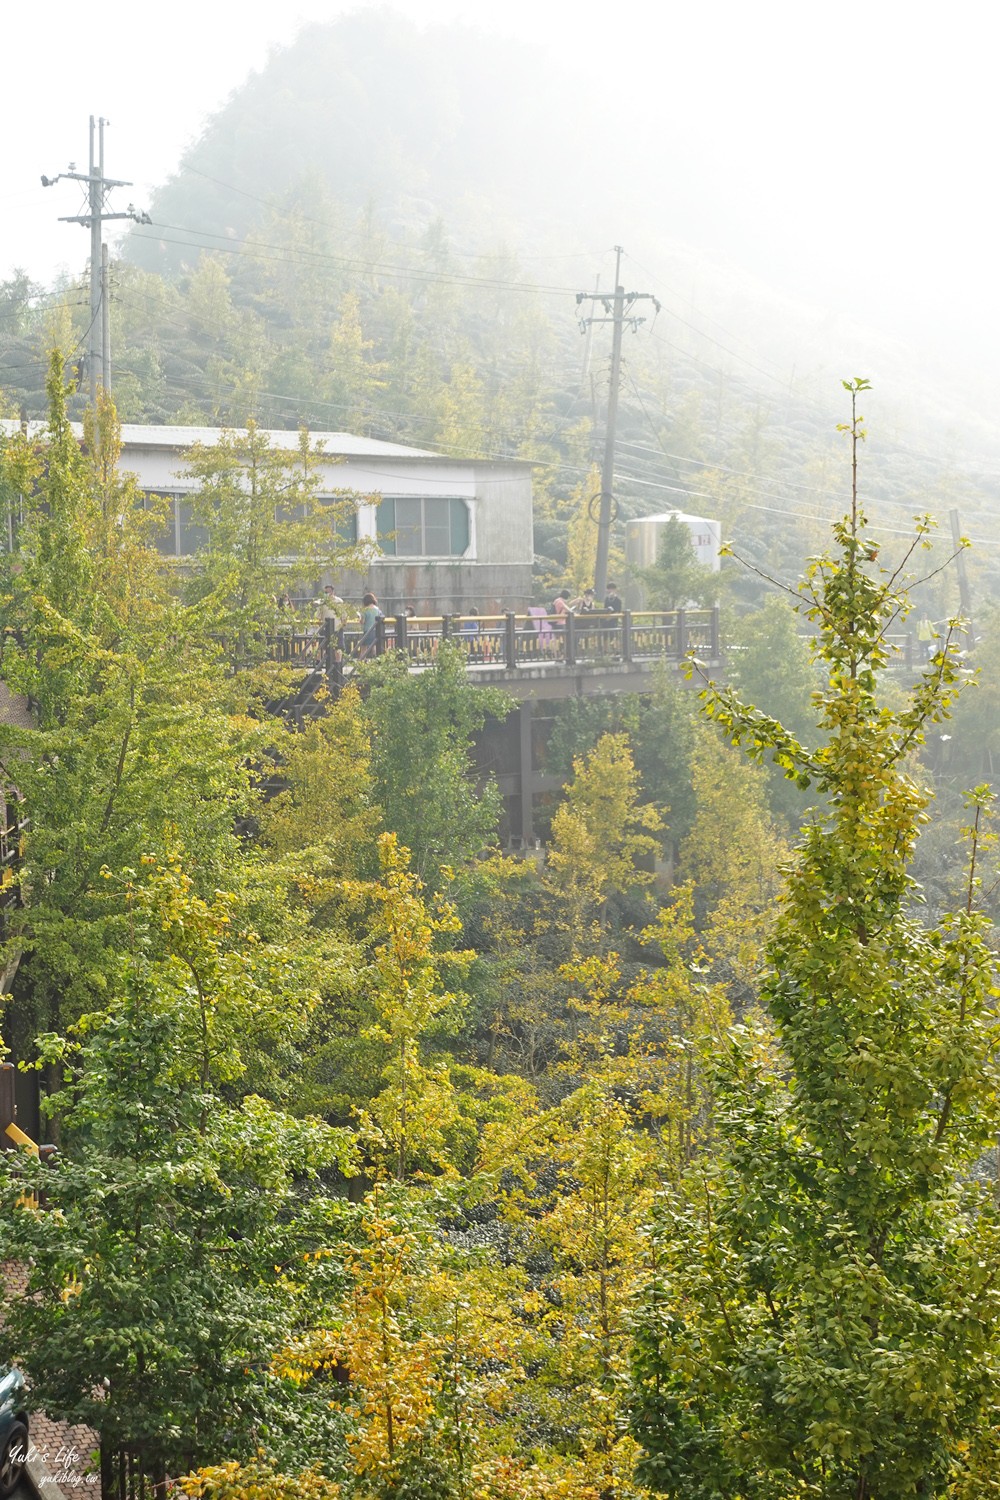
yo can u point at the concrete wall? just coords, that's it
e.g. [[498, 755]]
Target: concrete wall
[[442, 588], [503, 514]]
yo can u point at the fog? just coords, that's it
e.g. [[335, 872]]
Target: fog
[[843, 160]]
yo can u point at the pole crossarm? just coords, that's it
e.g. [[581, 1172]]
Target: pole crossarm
[[107, 182], [131, 213]]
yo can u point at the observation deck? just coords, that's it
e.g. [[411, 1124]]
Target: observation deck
[[530, 655]]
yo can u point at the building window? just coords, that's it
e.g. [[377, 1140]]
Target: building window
[[191, 537], [345, 517], [431, 526], [164, 541], [345, 523], [182, 536]]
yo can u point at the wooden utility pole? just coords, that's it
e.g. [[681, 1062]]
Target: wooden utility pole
[[617, 312], [98, 186]]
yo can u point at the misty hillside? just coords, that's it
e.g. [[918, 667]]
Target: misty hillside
[[373, 116], [377, 115], [385, 230]]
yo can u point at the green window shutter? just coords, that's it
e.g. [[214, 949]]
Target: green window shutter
[[459, 528]]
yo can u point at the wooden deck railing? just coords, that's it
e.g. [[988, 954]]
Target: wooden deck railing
[[510, 641]]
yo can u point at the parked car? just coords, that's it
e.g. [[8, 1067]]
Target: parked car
[[13, 1430]]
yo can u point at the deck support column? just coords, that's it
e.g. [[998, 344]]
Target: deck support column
[[527, 774]]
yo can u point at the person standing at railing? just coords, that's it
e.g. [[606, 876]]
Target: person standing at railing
[[584, 603], [469, 633], [927, 636], [370, 616], [561, 611], [542, 626], [612, 606], [332, 609]]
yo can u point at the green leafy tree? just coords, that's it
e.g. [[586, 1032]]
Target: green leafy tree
[[733, 856], [410, 1119], [677, 577], [578, 1182], [355, 377], [581, 532], [325, 817], [232, 342], [422, 727], [237, 971], [581, 722], [138, 743], [155, 1296], [822, 1316], [256, 1481], [664, 741], [514, 980]]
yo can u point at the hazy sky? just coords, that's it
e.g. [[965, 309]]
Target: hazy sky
[[845, 154]]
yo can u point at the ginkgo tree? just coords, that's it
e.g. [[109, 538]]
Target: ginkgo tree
[[823, 1314], [409, 1121], [264, 525], [732, 857], [138, 741], [599, 838]]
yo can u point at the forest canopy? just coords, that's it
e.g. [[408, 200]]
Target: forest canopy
[[393, 1164]]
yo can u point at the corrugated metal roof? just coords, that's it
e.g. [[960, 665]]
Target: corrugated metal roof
[[336, 444]]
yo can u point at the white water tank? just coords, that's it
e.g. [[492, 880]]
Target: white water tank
[[642, 538]]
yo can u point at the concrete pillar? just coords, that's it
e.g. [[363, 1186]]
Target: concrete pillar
[[526, 772]]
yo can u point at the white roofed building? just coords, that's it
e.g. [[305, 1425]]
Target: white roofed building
[[452, 532]]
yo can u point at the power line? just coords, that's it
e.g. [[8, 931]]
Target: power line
[[291, 216], [727, 331], [301, 255]]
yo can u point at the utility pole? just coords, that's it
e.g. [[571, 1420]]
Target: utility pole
[[98, 186], [617, 312]]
